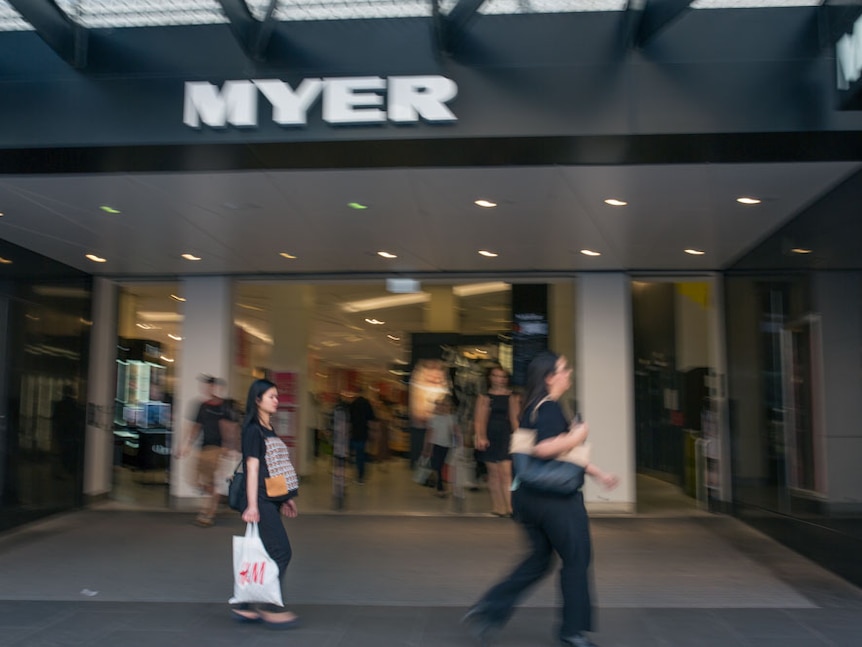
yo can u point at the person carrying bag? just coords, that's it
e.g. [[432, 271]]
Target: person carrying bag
[[271, 486], [551, 511], [255, 573]]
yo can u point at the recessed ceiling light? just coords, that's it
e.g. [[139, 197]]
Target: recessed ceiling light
[[800, 250], [616, 203], [96, 259], [357, 205], [286, 255], [5, 261], [174, 337], [589, 252], [695, 252], [394, 337], [485, 203], [169, 360], [386, 254], [486, 253], [191, 257], [2, 214], [374, 322], [108, 209], [177, 297], [748, 200]]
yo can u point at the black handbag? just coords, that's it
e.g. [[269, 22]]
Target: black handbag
[[236, 497], [562, 476], [548, 476]]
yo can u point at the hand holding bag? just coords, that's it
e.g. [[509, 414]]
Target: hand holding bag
[[255, 574], [563, 475], [422, 471]]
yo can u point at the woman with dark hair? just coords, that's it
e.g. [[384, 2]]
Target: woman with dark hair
[[265, 456], [553, 523], [495, 417]]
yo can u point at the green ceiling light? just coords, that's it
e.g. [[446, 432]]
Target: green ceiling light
[[357, 205], [108, 209]]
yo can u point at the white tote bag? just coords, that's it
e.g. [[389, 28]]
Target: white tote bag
[[255, 574]]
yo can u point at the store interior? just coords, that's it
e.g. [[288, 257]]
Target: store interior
[[362, 337]]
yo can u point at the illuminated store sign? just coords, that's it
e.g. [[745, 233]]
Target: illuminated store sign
[[848, 58], [363, 100]]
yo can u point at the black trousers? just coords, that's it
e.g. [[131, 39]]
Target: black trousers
[[552, 524], [274, 536], [438, 460], [417, 443]]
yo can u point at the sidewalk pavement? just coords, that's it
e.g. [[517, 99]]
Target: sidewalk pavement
[[152, 578]]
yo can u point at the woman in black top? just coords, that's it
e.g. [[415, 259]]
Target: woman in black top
[[257, 434], [553, 523], [495, 417]]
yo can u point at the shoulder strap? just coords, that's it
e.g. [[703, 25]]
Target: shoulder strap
[[536, 408]]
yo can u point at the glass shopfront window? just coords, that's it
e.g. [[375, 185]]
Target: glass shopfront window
[[148, 345], [44, 351]]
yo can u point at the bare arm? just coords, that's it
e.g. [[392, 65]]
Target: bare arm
[[252, 471], [609, 481], [480, 422], [514, 410], [194, 430], [562, 443]]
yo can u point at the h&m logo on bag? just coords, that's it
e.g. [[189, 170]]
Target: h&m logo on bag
[[251, 573]]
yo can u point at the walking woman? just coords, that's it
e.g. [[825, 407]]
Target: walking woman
[[552, 523], [495, 417], [265, 456]]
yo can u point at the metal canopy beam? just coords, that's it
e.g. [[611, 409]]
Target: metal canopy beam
[[646, 18], [253, 35], [61, 33], [453, 26]]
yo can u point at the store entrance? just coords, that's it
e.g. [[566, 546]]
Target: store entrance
[[326, 344], [366, 341], [675, 399]]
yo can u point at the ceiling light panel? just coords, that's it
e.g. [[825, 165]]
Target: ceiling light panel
[[506, 7], [143, 13]]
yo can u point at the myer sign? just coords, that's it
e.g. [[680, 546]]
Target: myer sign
[[848, 56], [362, 100]]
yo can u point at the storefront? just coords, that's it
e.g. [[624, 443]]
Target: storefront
[[611, 152]]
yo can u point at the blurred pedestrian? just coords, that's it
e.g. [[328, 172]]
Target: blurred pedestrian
[[443, 435], [552, 523], [362, 421], [266, 456], [495, 417], [206, 427]]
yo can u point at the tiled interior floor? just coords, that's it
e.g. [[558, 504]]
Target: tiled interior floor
[[389, 489]]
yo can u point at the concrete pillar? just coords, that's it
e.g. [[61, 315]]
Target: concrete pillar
[[441, 312], [606, 383], [206, 348], [838, 300], [292, 308], [101, 391]]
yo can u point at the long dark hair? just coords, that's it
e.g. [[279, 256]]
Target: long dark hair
[[543, 365], [255, 393]]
